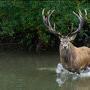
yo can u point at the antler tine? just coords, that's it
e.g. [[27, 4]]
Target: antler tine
[[85, 13], [43, 14], [81, 20], [46, 20], [54, 26], [44, 17], [49, 15]]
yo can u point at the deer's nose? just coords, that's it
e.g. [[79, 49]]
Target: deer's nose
[[65, 46]]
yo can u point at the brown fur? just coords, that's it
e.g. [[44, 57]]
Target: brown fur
[[75, 59]]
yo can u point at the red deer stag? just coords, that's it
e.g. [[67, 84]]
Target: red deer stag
[[72, 58]]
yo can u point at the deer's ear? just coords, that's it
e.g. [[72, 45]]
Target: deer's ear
[[71, 38]]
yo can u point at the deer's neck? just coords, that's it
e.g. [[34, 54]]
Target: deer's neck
[[68, 55]]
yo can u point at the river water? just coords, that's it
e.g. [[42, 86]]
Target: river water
[[26, 71]]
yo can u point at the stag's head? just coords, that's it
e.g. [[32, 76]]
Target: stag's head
[[64, 40]]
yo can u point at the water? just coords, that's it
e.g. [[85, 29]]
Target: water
[[25, 71], [63, 75]]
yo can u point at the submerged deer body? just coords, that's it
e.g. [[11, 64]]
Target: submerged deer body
[[71, 57]]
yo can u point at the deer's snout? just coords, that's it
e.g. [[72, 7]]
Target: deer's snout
[[65, 46]]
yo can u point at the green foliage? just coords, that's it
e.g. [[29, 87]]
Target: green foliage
[[24, 17]]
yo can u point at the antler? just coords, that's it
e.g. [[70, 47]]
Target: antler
[[46, 20], [81, 19]]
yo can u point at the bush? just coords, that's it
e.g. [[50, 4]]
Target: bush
[[22, 20]]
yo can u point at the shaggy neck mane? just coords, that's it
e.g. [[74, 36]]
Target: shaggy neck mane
[[68, 55]]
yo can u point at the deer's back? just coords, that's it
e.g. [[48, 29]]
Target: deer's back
[[82, 57]]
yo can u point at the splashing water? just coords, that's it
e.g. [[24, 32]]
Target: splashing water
[[63, 74]]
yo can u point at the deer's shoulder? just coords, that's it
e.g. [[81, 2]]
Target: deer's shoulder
[[84, 49]]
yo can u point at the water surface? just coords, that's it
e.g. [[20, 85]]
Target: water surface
[[25, 71]]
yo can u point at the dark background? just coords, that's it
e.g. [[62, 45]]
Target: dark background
[[21, 24]]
